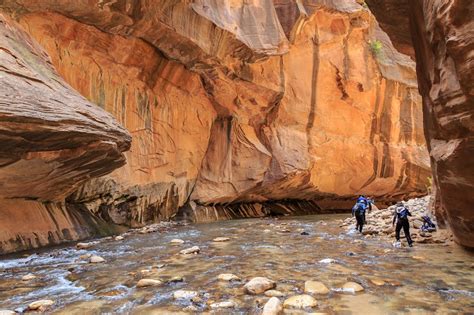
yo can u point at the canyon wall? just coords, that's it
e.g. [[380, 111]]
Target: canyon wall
[[52, 141], [238, 108], [442, 35]]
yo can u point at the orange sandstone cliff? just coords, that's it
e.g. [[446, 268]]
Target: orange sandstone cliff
[[236, 108], [52, 141]]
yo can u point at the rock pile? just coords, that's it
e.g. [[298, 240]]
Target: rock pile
[[379, 222]]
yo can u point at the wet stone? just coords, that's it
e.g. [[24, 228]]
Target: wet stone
[[228, 277], [176, 241], [221, 239], [148, 283], [184, 294], [259, 285], [300, 301], [191, 250], [274, 293], [224, 304], [40, 305], [315, 287], [272, 307], [352, 287], [28, 277], [96, 259]]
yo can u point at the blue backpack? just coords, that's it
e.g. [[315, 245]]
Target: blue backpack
[[360, 208]]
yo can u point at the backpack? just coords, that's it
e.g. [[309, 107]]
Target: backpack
[[360, 208], [402, 213]]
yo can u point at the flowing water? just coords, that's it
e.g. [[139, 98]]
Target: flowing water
[[425, 279]]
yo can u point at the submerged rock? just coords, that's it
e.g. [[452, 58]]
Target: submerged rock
[[96, 259], [40, 305], [192, 250], [221, 239], [85, 245], [148, 283], [274, 293], [184, 294], [28, 277], [228, 277], [272, 307], [377, 282], [176, 241], [259, 285], [300, 301], [352, 287], [224, 304], [315, 287]]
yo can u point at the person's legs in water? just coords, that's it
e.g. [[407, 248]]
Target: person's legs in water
[[398, 228], [406, 230], [360, 222]]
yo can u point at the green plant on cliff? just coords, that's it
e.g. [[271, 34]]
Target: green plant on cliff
[[376, 48]]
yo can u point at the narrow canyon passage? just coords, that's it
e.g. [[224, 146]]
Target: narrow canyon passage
[[203, 156]]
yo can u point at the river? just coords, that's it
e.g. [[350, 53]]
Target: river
[[425, 279]]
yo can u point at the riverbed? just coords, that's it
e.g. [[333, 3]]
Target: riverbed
[[425, 279]]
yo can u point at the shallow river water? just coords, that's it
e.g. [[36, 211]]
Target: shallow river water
[[425, 279]]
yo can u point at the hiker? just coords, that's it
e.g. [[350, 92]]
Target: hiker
[[428, 225], [401, 218], [359, 212], [368, 204]]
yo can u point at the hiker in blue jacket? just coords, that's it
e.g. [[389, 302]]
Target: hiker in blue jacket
[[401, 218], [359, 212]]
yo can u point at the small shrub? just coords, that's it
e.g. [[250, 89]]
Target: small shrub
[[376, 48]]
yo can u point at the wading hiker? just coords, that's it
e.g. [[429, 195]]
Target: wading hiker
[[368, 204], [401, 218], [359, 212]]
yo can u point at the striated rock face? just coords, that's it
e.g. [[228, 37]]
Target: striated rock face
[[443, 42], [52, 141], [446, 78], [237, 105]]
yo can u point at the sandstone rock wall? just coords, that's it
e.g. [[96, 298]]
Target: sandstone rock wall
[[251, 102], [442, 37], [52, 141]]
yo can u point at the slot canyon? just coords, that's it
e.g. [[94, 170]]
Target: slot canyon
[[130, 118]]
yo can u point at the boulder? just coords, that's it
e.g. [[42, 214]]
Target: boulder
[[259, 285], [272, 307], [315, 287]]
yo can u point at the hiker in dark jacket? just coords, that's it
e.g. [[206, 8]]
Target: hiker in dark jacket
[[359, 212], [401, 218]]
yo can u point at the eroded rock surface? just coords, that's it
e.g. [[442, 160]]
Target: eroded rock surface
[[238, 106], [443, 42], [52, 141]]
